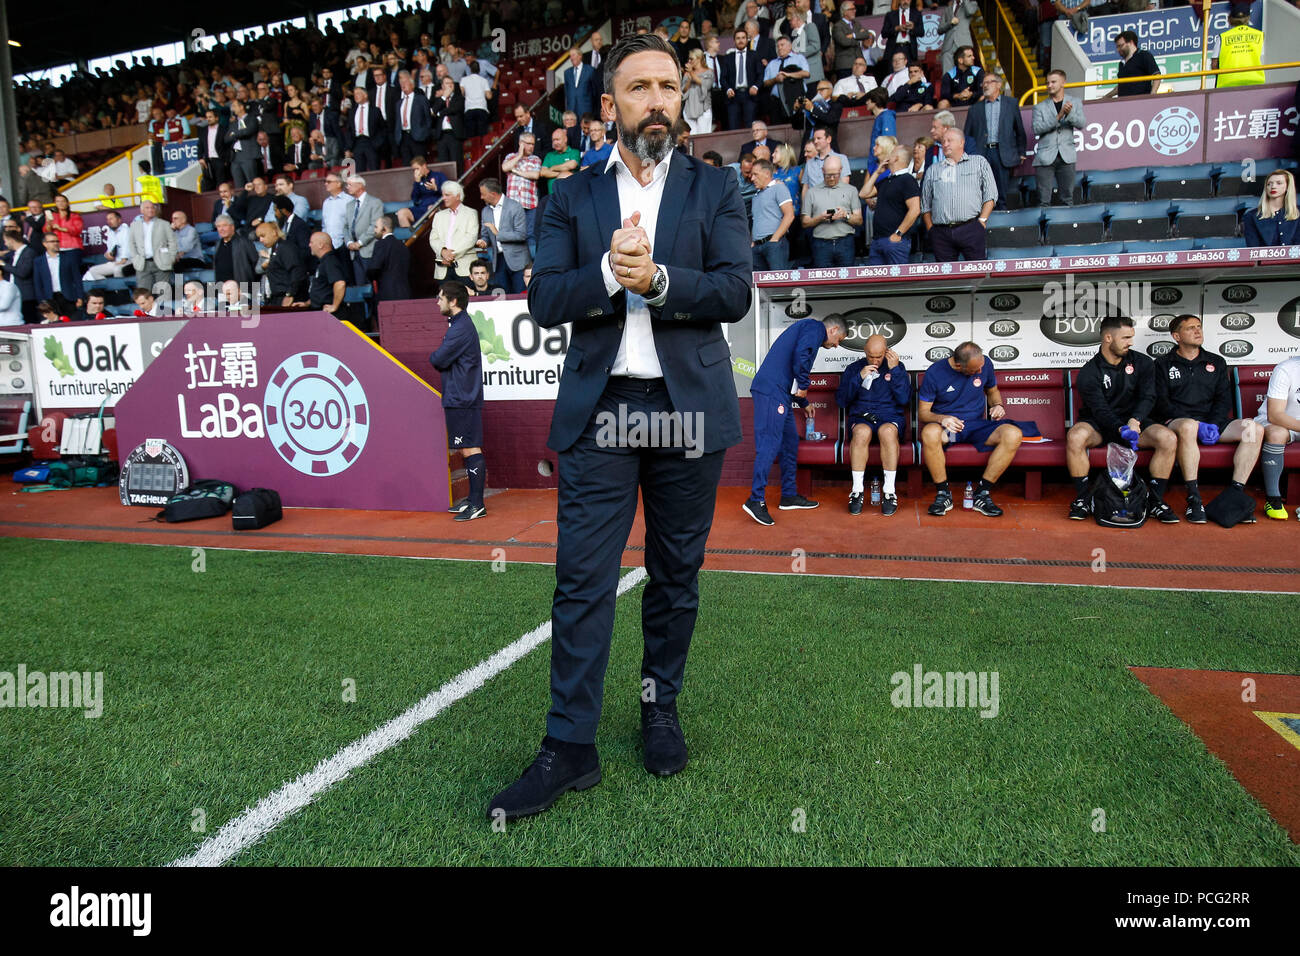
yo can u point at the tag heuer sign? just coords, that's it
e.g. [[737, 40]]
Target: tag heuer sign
[[151, 474]]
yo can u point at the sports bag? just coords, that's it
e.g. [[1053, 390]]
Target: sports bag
[[1231, 506], [1115, 507], [82, 472], [256, 508], [208, 498]]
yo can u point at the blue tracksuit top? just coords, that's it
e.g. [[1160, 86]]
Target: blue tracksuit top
[[790, 359], [460, 360], [886, 399]]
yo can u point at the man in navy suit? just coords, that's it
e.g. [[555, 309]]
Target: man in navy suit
[[364, 132], [741, 75], [1003, 142], [646, 254], [390, 263], [69, 296], [20, 263], [412, 121], [580, 86]]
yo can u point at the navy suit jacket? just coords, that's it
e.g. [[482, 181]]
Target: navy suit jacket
[[585, 96], [727, 66], [390, 265], [69, 277], [23, 274], [702, 240], [1011, 131], [421, 119]]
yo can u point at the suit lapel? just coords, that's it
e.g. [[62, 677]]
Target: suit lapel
[[681, 174], [604, 196]]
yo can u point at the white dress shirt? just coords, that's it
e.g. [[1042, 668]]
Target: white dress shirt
[[52, 263], [849, 85], [636, 356], [896, 81], [498, 210]]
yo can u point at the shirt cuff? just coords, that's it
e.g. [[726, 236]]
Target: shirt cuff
[[660, 299], [607, 271]]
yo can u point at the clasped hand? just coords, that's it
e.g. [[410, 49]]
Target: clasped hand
[[629, 256]]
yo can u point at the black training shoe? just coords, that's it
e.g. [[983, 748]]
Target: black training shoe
[[888, 505], [1079, 509], [795, 503], [855, 503], [1195, 510], [1161, 512], [470, 513], [458, 507], [662, 739], [758, 511], [942, 504], [560, 767], [984, 505]]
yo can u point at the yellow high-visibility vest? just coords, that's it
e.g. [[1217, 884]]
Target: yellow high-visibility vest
[[152, 188], [1240, 46]]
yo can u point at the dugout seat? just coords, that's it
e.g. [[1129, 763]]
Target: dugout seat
[[1036, 395]]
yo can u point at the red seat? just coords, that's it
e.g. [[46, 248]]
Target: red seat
[[827, 418]]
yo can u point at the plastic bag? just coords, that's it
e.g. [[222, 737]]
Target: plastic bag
[[1120, 461]]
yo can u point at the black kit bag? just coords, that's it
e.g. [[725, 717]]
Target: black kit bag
[[256, 508], [1231, 506], [1115, 507], [209, 498]]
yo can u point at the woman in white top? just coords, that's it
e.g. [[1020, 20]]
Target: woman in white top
[[697, 80], [11, 303]]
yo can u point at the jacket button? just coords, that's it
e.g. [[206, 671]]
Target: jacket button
[[620, 323], [606, 369]]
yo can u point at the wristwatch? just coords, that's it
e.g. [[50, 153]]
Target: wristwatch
[[659, 282]]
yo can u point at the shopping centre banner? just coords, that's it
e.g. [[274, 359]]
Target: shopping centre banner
[[303, 404], [1168, 32]]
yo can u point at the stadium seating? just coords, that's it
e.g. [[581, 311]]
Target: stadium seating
[[1138, 220], [1116, 185], [1091, 249], [1074, 224], [1183, 182], [1206, 218], [1022, 227]]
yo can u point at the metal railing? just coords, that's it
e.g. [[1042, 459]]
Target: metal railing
[[1015, 60], [1164, 76]]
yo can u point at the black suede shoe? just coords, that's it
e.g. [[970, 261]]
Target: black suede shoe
[[662, 739], [560, 767]]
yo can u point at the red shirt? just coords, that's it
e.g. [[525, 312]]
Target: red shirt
[[70, 239]]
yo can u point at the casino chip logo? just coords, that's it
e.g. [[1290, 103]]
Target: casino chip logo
[[1174, 131], [316, 414]]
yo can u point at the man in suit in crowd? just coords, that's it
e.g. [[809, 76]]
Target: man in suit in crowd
[[297, 155], [384, 94], [412, 121], [34, 223], [364, 133], [449, 122], [57, 278], [901, 28], [646, 299], [580, 88], [229, 203], [234, 257], [847, 39], [741, 74], [994, 123], [954, 27], [241, 140], [361, 228], [20, 264], [153, 247], [595, 58], [269, 158], [295, 228], [503, 234], [530, 123], [453, 234], [390, 263], [214, 152], [1055, 120], [759, 130]]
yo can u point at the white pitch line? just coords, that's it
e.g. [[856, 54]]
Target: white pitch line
[[256, 822]]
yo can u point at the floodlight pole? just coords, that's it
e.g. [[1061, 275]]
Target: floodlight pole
[[8, 112]]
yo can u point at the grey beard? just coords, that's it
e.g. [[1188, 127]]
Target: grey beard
[[643, 148]]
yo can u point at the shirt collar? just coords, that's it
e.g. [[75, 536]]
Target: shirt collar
[[616, 159]]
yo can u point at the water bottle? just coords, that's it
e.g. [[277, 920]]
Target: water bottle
[[875, 491], [808, 429], [968, 501]]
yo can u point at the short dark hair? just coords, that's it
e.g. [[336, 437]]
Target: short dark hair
[[915, 63], [477, 263], [713, 156], [389, 221], [637, 43], [492, 185], [1113, 323], [283, 203], [965, 352], [879, 97], [142, 290], [145, 167], [1129, 37], [962, 48], [455, 292], [1178, 321], [96, 292]]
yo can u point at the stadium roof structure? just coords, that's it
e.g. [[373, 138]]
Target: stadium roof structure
[[68, 32]]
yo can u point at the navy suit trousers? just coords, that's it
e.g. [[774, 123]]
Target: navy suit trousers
[[597, 503]]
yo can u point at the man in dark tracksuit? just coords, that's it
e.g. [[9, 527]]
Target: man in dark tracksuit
[[1194, 400], [788, 362], [460, 361], [1119, 400], [874, 391]]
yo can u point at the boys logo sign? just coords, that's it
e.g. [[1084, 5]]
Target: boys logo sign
[[337, 424]]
